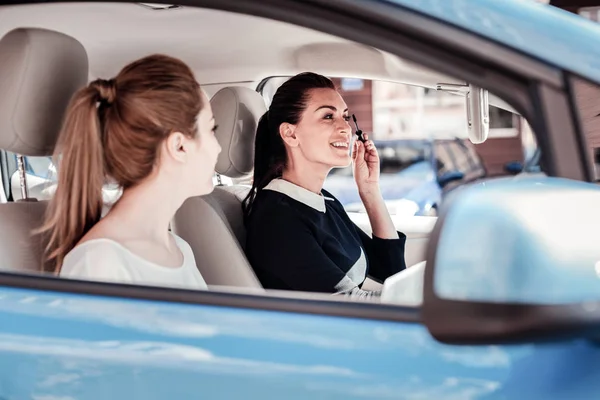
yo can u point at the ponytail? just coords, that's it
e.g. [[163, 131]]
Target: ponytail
[[77, 204], [269, 160]]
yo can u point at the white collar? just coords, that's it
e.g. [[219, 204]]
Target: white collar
[[298, 193]]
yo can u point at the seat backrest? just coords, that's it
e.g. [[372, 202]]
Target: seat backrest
[[39, 73], [213, 224]]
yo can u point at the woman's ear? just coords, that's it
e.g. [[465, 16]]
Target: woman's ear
[[176, 147], [287, 132]]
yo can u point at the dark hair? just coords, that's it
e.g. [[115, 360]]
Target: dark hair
[[288, 104]]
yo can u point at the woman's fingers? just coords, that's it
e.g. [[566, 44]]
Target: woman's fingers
[[360, 151], [370, 147], [364, 151]]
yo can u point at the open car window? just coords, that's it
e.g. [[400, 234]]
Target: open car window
[[420, 131]]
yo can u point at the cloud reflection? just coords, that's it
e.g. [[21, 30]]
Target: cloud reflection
[[155, 354], [57, 379], [190, 321], [50, 397], [452, 388]]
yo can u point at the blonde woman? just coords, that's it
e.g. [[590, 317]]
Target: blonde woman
[[151, 130]]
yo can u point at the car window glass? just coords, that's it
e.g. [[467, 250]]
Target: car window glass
[[41, 166], [420, 133]]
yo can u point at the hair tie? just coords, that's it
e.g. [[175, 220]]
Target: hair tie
[[107, 91]]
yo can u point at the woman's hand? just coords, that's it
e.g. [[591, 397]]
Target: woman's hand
[[365, 162]]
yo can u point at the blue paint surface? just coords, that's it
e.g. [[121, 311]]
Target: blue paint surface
[[547, 33], [529, 240], [62, 346]]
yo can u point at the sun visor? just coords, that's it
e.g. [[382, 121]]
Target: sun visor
[[359, 61], [352, 60]]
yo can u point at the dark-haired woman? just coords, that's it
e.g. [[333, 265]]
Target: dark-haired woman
[[299, 236]]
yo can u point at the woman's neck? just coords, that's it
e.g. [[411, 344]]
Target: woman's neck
[[146, 210], [310, 177]]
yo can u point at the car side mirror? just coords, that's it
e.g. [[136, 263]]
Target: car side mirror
[[515, 260], [513, 167], [448, 177]]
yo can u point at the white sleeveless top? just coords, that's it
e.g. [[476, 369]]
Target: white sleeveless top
[[107, 260]]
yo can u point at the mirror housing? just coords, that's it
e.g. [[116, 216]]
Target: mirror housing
[[477, 106], [478, 114], [515, 260]]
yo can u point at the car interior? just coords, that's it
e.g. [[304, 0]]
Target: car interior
[[51, 50]]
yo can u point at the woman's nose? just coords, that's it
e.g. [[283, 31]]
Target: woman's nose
[[344, 126]]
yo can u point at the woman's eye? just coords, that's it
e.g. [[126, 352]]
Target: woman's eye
[[328, 116], [346, 118], [214, 129]]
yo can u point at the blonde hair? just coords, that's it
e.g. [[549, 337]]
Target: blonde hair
[[113, 128]]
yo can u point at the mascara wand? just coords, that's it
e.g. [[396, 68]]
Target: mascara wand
[[359, 133]]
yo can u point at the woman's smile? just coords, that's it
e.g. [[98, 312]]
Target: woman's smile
[[340, 145]]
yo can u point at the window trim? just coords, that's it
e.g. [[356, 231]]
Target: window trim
[[586, 160], [5, 172], [340, 307]]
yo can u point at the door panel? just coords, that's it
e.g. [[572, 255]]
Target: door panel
[[62, 346]]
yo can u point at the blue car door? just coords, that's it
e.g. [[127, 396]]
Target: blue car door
[[57, 345]]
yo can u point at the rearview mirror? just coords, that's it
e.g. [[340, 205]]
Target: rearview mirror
[[514, 260], [478, 114], [477, 106]]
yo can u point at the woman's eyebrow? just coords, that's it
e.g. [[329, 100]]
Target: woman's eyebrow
[[332, 108]]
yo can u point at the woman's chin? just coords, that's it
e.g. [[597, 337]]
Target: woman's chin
[[341, 162]]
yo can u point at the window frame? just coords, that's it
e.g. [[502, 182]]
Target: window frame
[[571, 82]]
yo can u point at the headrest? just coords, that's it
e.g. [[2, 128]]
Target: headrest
[[39, 73], [237, 111]]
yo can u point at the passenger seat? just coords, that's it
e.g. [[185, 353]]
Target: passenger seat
[[39, 73], [213, 224]]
